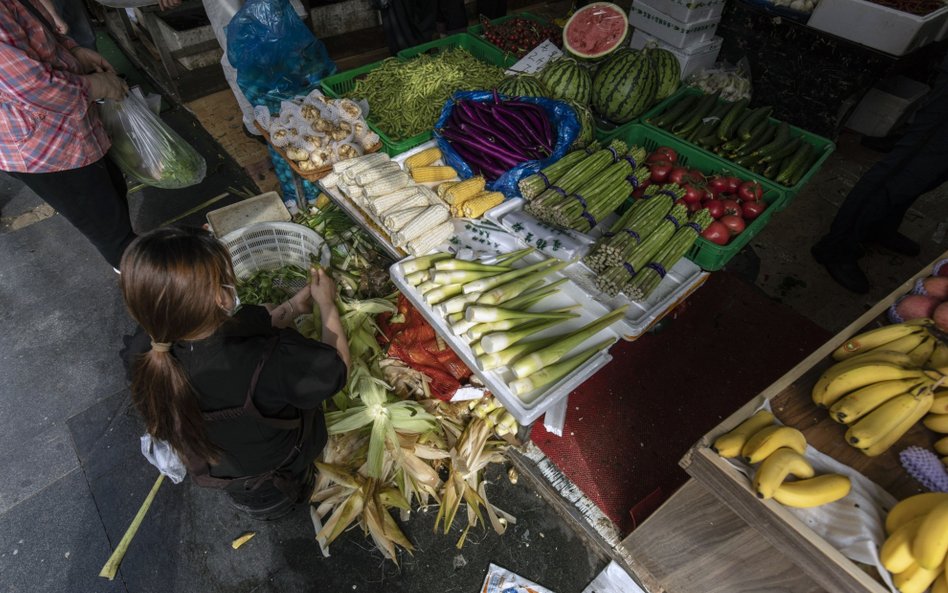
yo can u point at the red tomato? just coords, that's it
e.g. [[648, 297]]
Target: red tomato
[[751, 210], [677, 175], [715, 208], [717, 184], [734, 223], [731, 207], [717, 233], [693, 194], [751, 191], [733, 183], [668, 153], [697, 176], [660, 171]]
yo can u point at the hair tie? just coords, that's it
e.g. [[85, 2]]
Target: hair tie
[[161, 346]]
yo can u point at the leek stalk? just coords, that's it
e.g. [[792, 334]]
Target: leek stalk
[[482, 314], [555, 372], [499, 293], [497, 341], [472, 266], [423, 263], [489, 362], [485, 284]]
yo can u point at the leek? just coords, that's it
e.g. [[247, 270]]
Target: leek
[[442, 293], [485, 284], [489, 362], [472, 266], [482, 314], [509, 258], [477, 348], [545, 357], [459, 328], [500, 340], [532, 295], [426, 286], [416, 278], [422, 263], [496, 294], [461, 276], [455, 317], [555, 372], [482, 329], [457, 304]]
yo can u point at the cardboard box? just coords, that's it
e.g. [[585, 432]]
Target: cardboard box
[[692, 59]]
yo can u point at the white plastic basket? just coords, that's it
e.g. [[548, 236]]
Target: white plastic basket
[[272, 245]]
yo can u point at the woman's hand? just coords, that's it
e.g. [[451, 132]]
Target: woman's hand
[[106, 85], [323, 289], [302, 301], [92, 61]]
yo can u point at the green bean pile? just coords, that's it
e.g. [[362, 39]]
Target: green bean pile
[[406, 98]]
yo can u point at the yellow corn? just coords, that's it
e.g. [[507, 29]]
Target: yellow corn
[[425, 174], [444, 187], [481, 203], [464, 190], [423, 158]]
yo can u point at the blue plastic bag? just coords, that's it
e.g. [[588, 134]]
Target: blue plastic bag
[[276, 56], [561, 115]]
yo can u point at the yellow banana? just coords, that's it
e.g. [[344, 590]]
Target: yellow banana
[[730, 444], [874, 425], [896, 552], [915, 579], [767, 440], [874, 339], [941, 584], [940, 405], [857, 404], [860, 376], [882, 445], [912, 507], [931, 542], [921, 353], [774, 470], [941, 446], [937, 423], [814, 492], [939, 357], [908, 343]]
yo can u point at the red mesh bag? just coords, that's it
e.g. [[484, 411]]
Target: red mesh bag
[[442, 384]]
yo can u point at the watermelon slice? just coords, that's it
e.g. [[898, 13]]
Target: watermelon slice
[[595, 30]]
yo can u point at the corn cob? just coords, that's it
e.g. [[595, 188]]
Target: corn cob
[[423, 158], [480, 204], [353, 192], [369, 175], [408, 197], [432, 216], [426, 174], [444, 187], [464, 190], [398, 219], [434, 237], [363, 162], [330, 180], [433, 199], [387, 184]]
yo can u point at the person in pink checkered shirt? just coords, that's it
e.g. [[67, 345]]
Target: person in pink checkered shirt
[[51, 137]]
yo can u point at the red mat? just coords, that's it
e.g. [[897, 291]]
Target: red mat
[[628, 426]]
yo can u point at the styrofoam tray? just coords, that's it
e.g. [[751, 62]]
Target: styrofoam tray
[[531, 406], [880, 27], [684, 277]]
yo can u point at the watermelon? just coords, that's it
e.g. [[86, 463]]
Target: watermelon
[[587, 131], [595, 31], [668, 70], [624, 87], [567, 80], [522, 85]]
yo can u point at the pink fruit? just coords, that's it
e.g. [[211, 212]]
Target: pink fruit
[[941, 317], [915, 306], [936, 286]]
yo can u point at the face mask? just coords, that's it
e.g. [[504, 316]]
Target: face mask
[[236, 300]]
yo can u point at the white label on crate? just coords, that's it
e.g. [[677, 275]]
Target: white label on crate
[[538, 57]]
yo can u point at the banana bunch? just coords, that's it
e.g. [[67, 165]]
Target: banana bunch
[[498, 418], [917, 543], [885, 381], [779, 451], [937, 421]]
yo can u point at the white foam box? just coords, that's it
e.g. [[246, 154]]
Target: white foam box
[[886, 105], [669, 29], [691, 59], [879, 27], [687, 11]]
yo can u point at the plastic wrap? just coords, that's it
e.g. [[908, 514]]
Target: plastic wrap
[[561, 115]]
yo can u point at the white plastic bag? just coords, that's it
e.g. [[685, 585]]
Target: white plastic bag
[[160, 454], [146, 148]]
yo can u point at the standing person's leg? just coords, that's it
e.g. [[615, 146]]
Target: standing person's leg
[[80, 28], [93, 199], [453, 14], [492, 9]]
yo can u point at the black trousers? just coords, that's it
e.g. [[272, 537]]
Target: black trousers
[[93, 199], [878, 202]]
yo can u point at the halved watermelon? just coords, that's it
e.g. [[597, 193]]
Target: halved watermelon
[[595, 30]]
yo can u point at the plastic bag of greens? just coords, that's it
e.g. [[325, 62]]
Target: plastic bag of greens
[[146, 149], [275, 54]]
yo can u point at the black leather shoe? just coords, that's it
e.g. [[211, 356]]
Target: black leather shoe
[[899, 243], [845, 272]]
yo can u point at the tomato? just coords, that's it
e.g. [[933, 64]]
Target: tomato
[[734, 223], [693, 194], [692, 208], [668, 153], [717, 184], [731, 207], [717, 233], [677, 175], [697, 176], [733, 183], [639, 193], [751, 191], [715, 208], [751, 210], [660, 171]]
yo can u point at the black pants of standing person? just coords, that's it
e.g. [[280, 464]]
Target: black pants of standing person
[[93, 199], [873, 210], [411, 22]]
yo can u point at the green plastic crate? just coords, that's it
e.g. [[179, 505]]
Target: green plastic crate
[[823, 146], [708, 255], [478, 29], [481, 50]]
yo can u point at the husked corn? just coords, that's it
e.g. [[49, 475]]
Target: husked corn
[[464, 190], [436, 236], [423, 158], [478, 205], [438, 173], [431, 217], [444, 187]]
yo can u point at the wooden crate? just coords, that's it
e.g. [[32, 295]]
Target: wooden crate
[[790, 399]]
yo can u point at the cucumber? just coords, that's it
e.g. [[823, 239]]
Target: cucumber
[[702, 109], [778, 154], [807, 166], [760, 136], [711, 141], [675, 112], [796, 163], [780, 139], [710, 122], [726, 129], [752, 121]]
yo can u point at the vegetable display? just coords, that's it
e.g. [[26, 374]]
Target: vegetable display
[[746, 136], [405, 97], [494, 136], [518, 35]]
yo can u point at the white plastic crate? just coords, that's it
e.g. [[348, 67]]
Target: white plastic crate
[[687, 11], [691, 59], [886, 105], [879, 27], [272, 245], [670, 30]]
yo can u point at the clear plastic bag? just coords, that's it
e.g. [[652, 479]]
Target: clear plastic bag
[[160, 454], [146, 148]]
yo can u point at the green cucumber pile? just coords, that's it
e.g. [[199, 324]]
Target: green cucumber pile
[[745, 136]]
